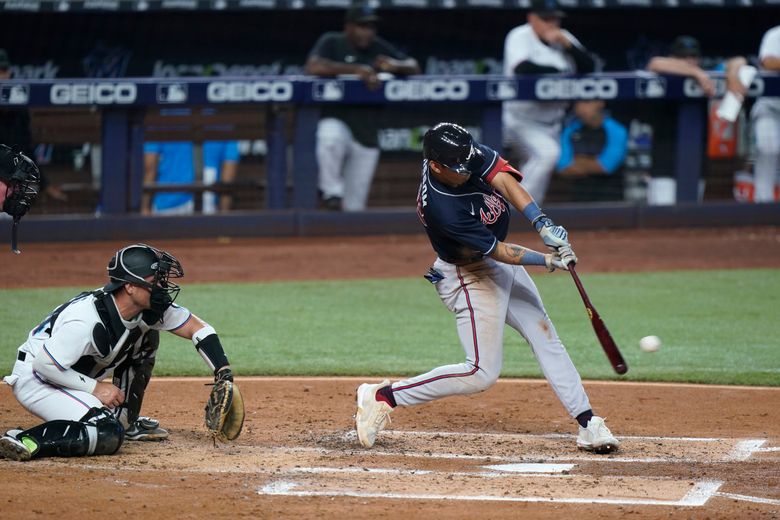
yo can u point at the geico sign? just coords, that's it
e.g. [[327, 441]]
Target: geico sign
[[586, 88], [93, 93], [692, 88], [222, 91], [429, 90]]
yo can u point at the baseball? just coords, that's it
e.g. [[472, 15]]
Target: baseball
[[650, 343]]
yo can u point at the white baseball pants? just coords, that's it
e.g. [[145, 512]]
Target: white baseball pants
[[484, 296], [346, 167], [766, 125], [540, 145], [48, 401]]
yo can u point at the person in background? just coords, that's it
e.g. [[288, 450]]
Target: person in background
[[683, 60], [347, 147], [16, 133], [532, 128], [765, 118], [174, 163], [593, 148]]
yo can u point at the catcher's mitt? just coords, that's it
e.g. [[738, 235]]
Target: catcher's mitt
[[225, 408]]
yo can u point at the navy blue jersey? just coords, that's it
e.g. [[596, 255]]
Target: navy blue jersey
[[466, 223]]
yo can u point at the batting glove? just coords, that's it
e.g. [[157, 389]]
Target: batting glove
[[553, 236], [567, 255], [554, 261]]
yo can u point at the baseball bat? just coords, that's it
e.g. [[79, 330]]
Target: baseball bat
[[601, 330]]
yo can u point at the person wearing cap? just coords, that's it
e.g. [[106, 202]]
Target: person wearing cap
[[347, 146], [683, 60], [84, 367], [532, 128]]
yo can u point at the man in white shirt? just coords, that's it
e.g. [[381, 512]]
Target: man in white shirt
[[766, 123], [532, 128]]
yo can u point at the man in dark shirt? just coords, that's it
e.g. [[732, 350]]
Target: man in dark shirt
[[347, 148], [463, 202]]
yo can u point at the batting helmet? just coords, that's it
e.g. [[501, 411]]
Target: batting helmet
[[134, 263], [450, 145]]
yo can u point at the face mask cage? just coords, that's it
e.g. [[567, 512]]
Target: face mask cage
[[167, 267]]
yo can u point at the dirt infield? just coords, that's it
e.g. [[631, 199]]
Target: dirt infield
[[688, 451]]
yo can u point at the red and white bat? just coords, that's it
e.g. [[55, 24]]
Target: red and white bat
[[602, 332]]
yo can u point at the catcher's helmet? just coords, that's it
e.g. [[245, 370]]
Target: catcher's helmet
[[132, 264], [450, 145], [23, 178]]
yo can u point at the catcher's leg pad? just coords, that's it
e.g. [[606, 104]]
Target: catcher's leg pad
[[133, 376], [97, 433]]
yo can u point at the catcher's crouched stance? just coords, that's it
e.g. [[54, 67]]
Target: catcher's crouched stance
[[85, 367]]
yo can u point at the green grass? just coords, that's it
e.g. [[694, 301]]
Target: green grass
[[716, 326]]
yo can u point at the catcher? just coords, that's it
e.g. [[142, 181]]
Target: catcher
[[85, 367]]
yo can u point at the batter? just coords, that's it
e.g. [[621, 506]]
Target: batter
[[463, 203]]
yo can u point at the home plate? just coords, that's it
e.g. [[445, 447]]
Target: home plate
[[532, 468]]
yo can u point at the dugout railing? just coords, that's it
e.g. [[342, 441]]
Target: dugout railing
[[286, 109]]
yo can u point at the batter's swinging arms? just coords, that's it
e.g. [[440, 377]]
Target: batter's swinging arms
[[463, 203], [113, 331]]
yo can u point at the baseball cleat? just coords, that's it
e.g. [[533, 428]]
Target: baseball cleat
[[13, 449], [146, 429], [597, 437], [372, 415]]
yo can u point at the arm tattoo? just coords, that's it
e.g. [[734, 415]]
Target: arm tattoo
[[516, 253]]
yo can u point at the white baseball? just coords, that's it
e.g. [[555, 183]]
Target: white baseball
[[650, 343]]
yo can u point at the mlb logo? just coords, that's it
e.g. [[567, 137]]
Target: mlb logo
[[332, 90], [651, 87], [14, 94], [172, 93], [501, 90]]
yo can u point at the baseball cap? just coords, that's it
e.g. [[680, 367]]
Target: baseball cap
[[4, 61], [686, 46], [547, 8], [361, 13]]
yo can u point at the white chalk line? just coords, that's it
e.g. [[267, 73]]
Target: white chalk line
[[741, 452], [696, 497], [322, 470], [363, 379], [767, 450], [521, 436], [744, 450], [748, 498]]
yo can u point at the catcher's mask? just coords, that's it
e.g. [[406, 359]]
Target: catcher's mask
[[450, 145], [22, 178], [134, 263]]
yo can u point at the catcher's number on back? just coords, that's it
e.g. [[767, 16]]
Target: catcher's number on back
[[225, 409]]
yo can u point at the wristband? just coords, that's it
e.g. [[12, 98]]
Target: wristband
[[531, 257], [534, 214], [209, 347]]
